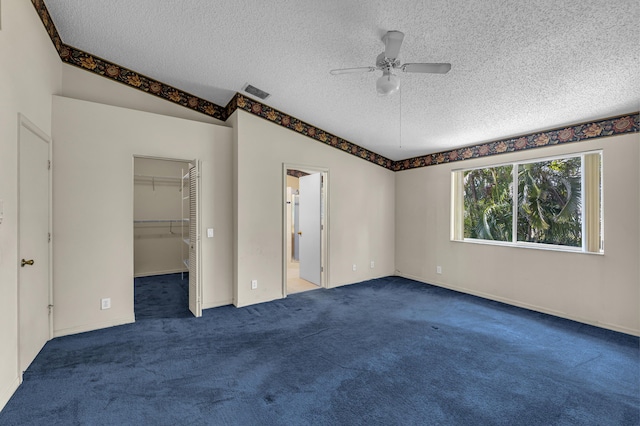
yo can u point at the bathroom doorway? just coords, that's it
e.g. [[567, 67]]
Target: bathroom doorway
[[305, 228]]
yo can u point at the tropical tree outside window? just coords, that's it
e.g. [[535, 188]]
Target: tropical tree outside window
[[554, 202], [488, 203], [550, 202]]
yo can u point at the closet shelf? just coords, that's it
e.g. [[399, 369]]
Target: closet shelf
[[160, 180]]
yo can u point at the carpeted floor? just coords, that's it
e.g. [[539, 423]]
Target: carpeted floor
[[162, 296], [389, 351]]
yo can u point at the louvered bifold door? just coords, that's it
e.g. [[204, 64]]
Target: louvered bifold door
[[195, 296]]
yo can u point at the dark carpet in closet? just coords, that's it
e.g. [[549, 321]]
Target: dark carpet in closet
[[162, 296]]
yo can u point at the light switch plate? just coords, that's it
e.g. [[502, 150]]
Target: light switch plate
[[209, 232]]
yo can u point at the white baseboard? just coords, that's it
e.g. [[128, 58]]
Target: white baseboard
[[95, 326], [216, 303], [613, 327], [8, 392]]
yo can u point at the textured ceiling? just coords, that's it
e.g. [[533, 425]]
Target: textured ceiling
[[517, 67]]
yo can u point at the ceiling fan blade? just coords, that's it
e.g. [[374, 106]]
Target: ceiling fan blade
[[352, 70], [426, 68], [392, 41]]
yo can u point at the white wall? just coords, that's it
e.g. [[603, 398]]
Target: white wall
[[597, 289], [158, 247], [30, 72], [360, 209], [81, 84], [93, 206]]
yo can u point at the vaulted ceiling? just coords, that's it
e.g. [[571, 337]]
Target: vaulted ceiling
[[517, 67]]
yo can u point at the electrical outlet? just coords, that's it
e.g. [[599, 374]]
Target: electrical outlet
[[254, 284], [105, 303], [438, 269], [354, 267], [373, 264]]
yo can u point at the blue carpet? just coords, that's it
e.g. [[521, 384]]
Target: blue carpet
[[162, 296], [389, 351]]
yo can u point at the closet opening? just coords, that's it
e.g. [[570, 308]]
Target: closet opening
[[305, 224], [164, 204]]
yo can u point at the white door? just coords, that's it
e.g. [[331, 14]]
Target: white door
[[310, 227], [33, 228], [195, 286]]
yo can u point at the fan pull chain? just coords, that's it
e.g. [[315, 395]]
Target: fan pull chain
[[400, 116]]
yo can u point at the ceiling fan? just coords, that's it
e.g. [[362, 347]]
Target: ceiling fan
[[388, 61]]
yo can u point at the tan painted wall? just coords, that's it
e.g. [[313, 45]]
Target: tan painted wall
[[81, 84], [597, 289], [158, 247], [361, 209], [30, 72], [293, 182], [93, 206]]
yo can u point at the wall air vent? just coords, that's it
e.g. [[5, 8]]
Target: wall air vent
[[255, 91]]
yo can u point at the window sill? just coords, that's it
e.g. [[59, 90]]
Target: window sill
[[534, 246]]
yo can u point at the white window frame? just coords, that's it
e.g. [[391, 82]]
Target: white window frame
[[592, 222]]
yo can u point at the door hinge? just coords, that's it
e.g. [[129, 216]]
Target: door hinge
[[49, 165], [49, 237], [50, 309], [322, 269]]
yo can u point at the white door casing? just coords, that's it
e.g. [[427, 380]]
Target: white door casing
[[310, 227], [34, 227]]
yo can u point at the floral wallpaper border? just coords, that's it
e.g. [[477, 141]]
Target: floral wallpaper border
[[254, 107], [296, 173], [138, 81], [92, 63], [628, 123]]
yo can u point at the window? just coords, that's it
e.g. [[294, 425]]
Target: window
[[551, 203]]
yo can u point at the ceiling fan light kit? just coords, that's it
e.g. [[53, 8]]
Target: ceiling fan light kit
[[388, 61], [387, 84]]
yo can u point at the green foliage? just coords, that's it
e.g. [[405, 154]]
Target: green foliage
[[549, 202], [487, 203]]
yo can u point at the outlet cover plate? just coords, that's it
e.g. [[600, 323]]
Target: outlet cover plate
[[105, 303]]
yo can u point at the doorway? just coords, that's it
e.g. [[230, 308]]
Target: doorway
[[35, 297], [305, 225], [166, 241]]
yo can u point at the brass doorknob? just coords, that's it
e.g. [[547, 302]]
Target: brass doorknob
[[299, 232], [26, 262]]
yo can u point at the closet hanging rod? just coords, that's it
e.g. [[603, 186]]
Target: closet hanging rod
[[167, 180], [172, 178]]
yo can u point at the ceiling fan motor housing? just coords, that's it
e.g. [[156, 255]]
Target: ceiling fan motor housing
[[383, 62]]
